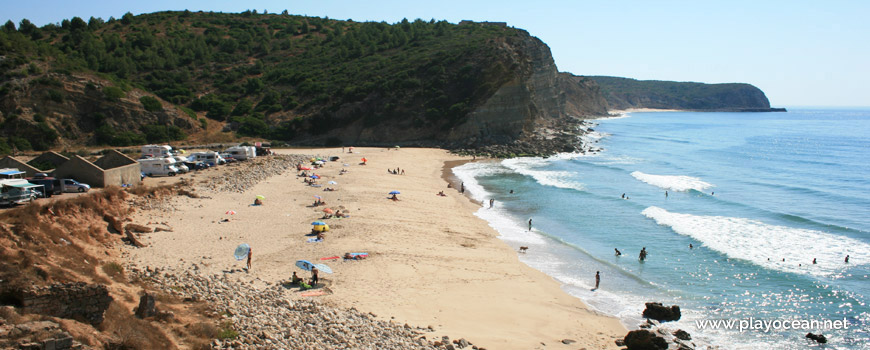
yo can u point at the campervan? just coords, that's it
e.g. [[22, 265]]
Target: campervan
[[158, 166], [17, 191], [242, 152], [157, 151], [211, 158], [179, 163]]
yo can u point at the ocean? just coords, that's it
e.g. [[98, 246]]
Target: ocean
[[758, 196]]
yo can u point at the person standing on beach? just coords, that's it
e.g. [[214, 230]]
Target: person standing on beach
[[313, 276], [618, 253], [250, 253], [666, 194], [643, 254], [530, 225], [491, 203], [462, 188], [597, 278], [847, 258]]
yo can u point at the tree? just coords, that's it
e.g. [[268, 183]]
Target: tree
[[127, 19], [9, 26], [151, 104]]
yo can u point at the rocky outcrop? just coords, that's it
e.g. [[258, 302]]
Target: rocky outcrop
[[659, 312], [537, 103], [626, 93], [642, 339]]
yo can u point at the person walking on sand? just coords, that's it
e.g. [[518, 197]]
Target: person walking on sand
[[250, 254], [530, 225], [462, 188], [597, 279]]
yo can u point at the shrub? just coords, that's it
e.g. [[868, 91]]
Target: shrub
[[151, 104], [113, 93]]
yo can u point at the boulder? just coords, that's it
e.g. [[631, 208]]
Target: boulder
[[642, 339], [146, 306], [659, 312], [682, 335], [819, 338]]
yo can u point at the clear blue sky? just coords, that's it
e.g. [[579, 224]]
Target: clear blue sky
[[801, 53]]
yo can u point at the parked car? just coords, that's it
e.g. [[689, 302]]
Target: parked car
[[52, 186], [196, 165], [70, 185]]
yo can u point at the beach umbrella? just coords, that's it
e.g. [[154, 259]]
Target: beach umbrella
[[318, 223], [395, 192], [364, 160], [318, 197], [305, 265], [242, 251], [396, 146], [327, 210], [315, 176], [260, 196], [323, 268], [332, 183], [231, 212]]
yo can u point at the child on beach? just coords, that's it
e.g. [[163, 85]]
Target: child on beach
[[250, 254]]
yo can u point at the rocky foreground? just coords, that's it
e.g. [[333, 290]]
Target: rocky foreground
[[273, 317]]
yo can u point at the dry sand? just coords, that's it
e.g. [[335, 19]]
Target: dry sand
[[431, 261]]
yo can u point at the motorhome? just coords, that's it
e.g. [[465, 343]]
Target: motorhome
[[242, 152], [159, 166], [211, 158], [179, 163], [156, 151], [17, 191]]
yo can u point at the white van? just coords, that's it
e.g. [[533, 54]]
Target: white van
[[179, 163], [158, 166], [211, 158], [242, 152], [157, 151]]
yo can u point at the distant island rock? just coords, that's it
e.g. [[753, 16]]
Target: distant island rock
[[627, 93]]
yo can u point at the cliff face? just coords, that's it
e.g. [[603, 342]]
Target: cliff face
[[625, 93], [536, 103]]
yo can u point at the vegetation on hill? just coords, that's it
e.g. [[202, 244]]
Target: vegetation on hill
[[267, 75], [624, 93]]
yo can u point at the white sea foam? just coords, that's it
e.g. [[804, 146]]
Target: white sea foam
[[673, 182], [766, 245], [529, 166], [468, 173]]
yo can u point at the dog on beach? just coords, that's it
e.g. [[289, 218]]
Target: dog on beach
[[523, 249]]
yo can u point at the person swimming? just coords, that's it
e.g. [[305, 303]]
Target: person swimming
[[643, 254], [618, 253]]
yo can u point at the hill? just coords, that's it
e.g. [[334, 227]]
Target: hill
[[304, 80], [625, 93]]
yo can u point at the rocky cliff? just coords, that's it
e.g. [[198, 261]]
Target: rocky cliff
[[625, 93]]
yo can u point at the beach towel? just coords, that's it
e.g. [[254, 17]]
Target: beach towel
[[314, 240], [329, 258]]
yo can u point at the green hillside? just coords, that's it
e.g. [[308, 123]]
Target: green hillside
[[624, 93], [276, 76]]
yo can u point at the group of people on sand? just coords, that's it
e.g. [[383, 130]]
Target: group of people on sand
[[298, 281], [396, 171]]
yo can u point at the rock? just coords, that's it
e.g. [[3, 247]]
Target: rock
[[568, 341], [819, 338], [659, 312], [620, 342], [463, 343], [146, 306], [644, 340], [682, 335]]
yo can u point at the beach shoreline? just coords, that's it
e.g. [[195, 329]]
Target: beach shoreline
[[432, 263]]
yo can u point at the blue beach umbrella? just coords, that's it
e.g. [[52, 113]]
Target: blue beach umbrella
[[304, 264], [242, 251], [332, 183], [323, 268], [318, 223], [394, 192]]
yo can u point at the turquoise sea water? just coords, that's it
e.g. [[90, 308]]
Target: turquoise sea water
[[746, 190]]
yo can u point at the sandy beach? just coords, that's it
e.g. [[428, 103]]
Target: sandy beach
[[431, 262]]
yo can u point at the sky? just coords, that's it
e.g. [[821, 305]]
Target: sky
[[800, 53]]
